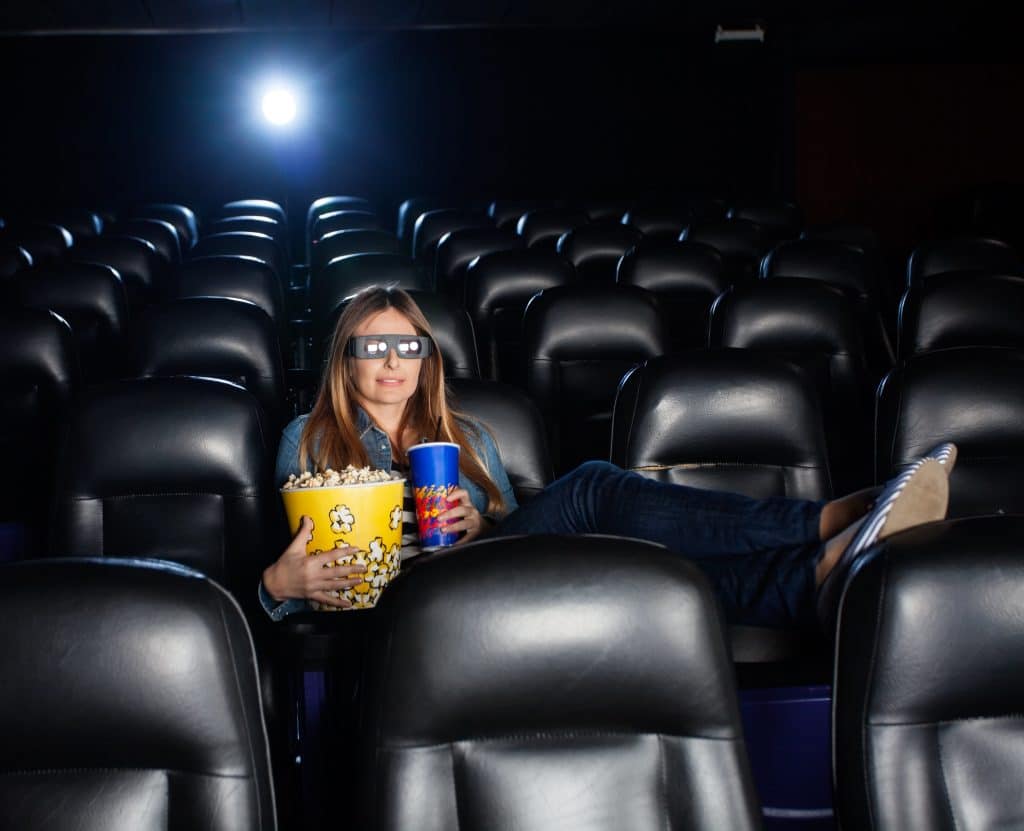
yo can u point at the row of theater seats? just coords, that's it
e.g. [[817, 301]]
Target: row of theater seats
[[628, 718]]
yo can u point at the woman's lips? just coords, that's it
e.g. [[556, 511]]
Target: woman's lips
[[392, 382]]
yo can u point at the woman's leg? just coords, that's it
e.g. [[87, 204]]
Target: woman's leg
[[600, 498]]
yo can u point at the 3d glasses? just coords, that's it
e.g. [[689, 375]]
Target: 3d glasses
[[380, 346]]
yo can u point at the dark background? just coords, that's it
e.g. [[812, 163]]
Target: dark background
[[855, 111]]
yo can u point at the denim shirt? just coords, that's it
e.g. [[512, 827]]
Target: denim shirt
[[378, 448]]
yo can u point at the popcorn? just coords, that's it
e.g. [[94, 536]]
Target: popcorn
[[330, 478]]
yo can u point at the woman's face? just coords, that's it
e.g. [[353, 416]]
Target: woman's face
[[389, 380]]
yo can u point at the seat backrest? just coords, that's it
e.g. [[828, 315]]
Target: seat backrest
[[243, 244], [928, 679], [579, 341], [92, 299], [162, 234], [947, 310], [498, 287], [181, 217], [595, 250], [254, 224], [215, 337], [545, 714], [142, 270], [542, 228], [173, 468], [81, 222], [686, 277], [259, 207], [783, 220], [457, 249], [44, 241], [344, 220], [506, 212], [130, 700], [818, 327], [741, 243], [517, 427], [13, 258], [432, 225], [337, 244], [973, 396], [657, 220], [965, 254], [829, 261], [453, 332], [411, 210], [40, 371], [725, 419], [246, 278]]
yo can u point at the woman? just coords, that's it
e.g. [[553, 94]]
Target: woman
[[769, 560]]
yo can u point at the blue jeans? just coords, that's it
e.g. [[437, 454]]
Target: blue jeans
[[759, 554]]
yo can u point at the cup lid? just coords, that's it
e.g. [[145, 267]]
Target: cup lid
[[432, 444]]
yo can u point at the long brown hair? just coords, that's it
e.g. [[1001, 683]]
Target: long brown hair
[[331, 438]]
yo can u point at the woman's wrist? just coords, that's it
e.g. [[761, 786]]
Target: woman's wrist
[[270, 583]]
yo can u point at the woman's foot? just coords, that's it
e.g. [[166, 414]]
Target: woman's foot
[[944, 454], [917, 495], [843, 512]]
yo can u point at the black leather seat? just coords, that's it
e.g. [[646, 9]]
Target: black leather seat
[[258, 207], [973, 396], [130, 700], [595, 250], [602, 209], [92, 299], [964, 254], [142, 270], [498, 287], [245, 278], [579, 342], [835, 263], [176, 469], [327, 204], [44, 241], [505, 213], [517, 427], [741, 243], [685, 276], [780, 219], [343, 243], [344, 220], [818, 327], [453, 332], [215, 337], [253, 224], [926, 731], [543, 227], [593, 689], [432, 225], [181, 217], [945, 310], [655, 219], [13, 258], [81, 223], [243, 244], [411, 210], [40, 373], [162, 234], [457, 249]]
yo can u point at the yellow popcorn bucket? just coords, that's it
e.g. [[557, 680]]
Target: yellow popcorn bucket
[[366, 516]]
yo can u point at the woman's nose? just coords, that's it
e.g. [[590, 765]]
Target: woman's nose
[[391, 359]]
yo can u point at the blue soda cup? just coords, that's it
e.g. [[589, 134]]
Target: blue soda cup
[[435, 473]]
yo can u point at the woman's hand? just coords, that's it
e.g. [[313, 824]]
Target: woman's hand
[[463, 517], [298, 575]]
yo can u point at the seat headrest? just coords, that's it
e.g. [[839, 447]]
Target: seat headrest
[[343, 243], [226, 275], [512, 277], [957, 310], [829, 261], [262, 207], [44, 241], [162, 234], [734, 238], [172, 435], [723, 404], [593, 322], [350, 274], [656, 220], [966, 254], [935, 612], [181, 217], [432, 225], [787, 315], [456, 249], [506, 212], [118, 665], [248, 243], [453, 332], [345, 220], [135, 260], [597, 240], [557, 622], [671, 267], [37, 348], [77, 290], [13, 258], [780, 217], [548, 224]]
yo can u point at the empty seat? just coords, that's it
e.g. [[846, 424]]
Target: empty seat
[[92, 299], [433, 225], [130, 700], [259, 207], [973, 396], [498, 287], [453, 332], [327, 204], [517, 427], [411, 210], [458, 249], [545, 713], [216, 337], [44, 242], [181, 217], [780, 219], [143, 271], [40, 374], [599, 210], [246, 278], [506, 212], [163, 235], [579, 342], [176, 469], [243, 244], [724, 419], [344, 221], [13, 258], [255, 224], [741, 243], [595, 250], [829, 261], [818, 327], [543, 227], [685, 276], [928, 675], [945, 310], [343, 243], [657, 220], [967, 254], [81, 223]]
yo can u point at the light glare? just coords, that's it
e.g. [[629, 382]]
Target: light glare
[[279, 106]]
